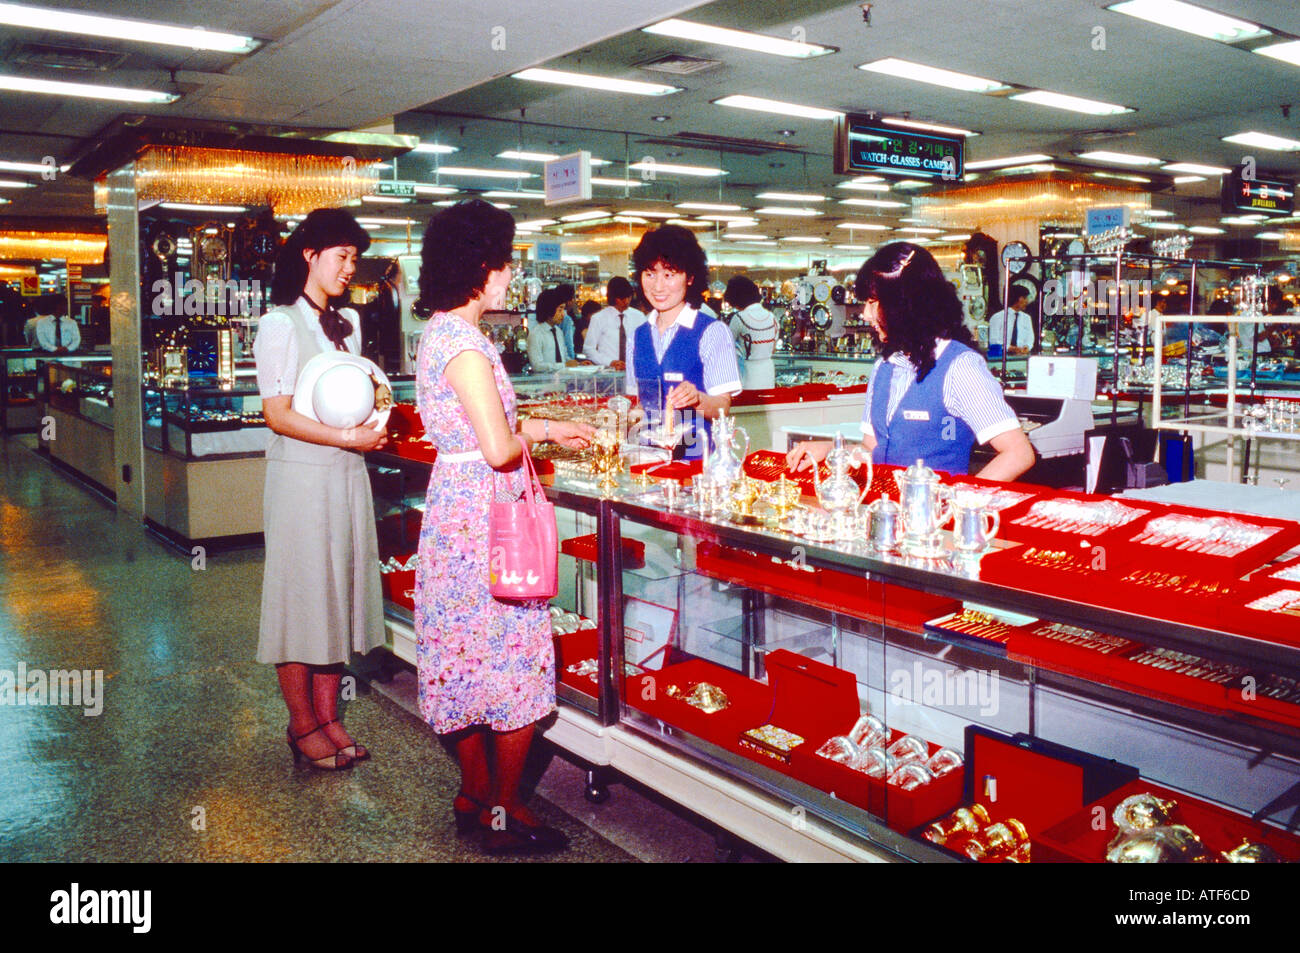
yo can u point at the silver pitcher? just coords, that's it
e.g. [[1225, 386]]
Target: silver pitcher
[[723, 465], [839, 493], [926, 505], [974, 526], [884, 525]]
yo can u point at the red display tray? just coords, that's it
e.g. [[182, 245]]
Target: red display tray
[[1056, 539], [404, 421], [1076, 837], [1037, 782], [825, 588], [399, 587], [769, 466], [749, 702], [1275, 626], [681, 471], [572, 649], [1134, 553], [584, 547]]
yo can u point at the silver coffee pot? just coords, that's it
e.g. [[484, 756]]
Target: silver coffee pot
[[974, 526], [884, 525], [839, 493], [723, 465], [926, 505]]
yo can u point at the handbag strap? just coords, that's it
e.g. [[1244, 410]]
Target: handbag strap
[[533, 492]]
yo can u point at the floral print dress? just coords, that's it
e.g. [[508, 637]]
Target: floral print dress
[[480, 661]]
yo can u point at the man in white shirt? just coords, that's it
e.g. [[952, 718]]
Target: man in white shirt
[[1016, 335], [53, 330], [613, 326], [546, 349]]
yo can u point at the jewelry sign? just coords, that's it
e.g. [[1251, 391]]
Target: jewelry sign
[[861, 145], [568, 179]]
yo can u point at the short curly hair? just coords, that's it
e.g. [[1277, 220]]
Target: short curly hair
[[677, 247], [462, 244]]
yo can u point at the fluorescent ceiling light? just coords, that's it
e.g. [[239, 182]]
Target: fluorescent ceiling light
[[189, 207], [140, 31], [648, 213], [606, 83], [920, 230], [1242, 220], [1286, 52], [527, 156], [873, 203], [856, 247], [757, 241], [672, 169], [868, 226], [1021, 169], [775, 106], [38, 168], [732, 220], [1187, 179], [933, 75], [863, 186], [535, 223], [1195, 168], [1163, 226], [434, 147], [709, 207], [1190, 19], [507, 194], [585, 216], [1263, 140], [927, 126], [1157, 213], [1041, 97], [1010, 160], [790, 197], [867, 178], [1121, 176], [632, 219], [1206, 230], [910, 184], [1270, 236], [787, 210], [434, 190], [502, 205], [1119, 158], [15, 184], [485, 173], [369, 220], [121, 94], [741, 39], [806, 239], [955, 238], [743, 236], [385, 199], [688, 223], [620, 183]]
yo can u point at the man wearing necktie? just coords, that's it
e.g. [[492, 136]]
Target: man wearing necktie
[[545, 338], [610, 328]]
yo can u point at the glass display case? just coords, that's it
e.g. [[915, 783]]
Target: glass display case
[[20, 408], [77, 393], [205, 421], [81, 386]]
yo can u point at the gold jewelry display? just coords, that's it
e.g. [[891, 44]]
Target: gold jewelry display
[[1250, 853], [1142, 812], [1175, 844], [970, 820]]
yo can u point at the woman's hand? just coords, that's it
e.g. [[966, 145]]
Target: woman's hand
[[364, 439], [682, 395], [571, 433], [806, 453]]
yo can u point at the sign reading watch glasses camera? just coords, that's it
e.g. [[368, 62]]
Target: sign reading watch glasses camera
[[863, 145]]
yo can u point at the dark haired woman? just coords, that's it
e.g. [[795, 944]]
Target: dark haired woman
[[931, 396], [754, 328], [486, 667], [679, 359], [321, 596]]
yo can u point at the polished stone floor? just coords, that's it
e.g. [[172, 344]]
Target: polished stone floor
[[187, 760]]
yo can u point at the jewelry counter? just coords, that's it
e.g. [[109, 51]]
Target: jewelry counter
[[77, 396], [20, 409]]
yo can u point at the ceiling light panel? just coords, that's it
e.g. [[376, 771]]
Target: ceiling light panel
[[903, 69], [138, 31], [1262, 140], [1191, 19], [1090, 107], [758, 104], [604, 83], [50, 87], [740, 39]]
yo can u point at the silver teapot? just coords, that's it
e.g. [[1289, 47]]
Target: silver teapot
[[723, 465], [884, 525], [839, 493], [926, 505]]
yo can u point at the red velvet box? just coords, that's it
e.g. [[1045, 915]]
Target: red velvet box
[[584, 547], [749, 702], [1077, 839], [1274, 626], [682, 471], [810, 698], [1037, 782], [1055, 539], [1181, 561], [399, 587], [570, 650]]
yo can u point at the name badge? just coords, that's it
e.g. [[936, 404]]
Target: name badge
[[675, 378], [916, 415]]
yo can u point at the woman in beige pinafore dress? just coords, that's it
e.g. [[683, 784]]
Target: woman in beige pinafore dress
[[321, 595]]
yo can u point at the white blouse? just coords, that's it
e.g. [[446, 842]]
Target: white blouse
[[276, 346]]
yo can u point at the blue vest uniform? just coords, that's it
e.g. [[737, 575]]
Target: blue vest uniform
[[922, 428], [681, 357]]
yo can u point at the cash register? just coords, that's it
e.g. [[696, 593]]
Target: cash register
[[1055, 408]]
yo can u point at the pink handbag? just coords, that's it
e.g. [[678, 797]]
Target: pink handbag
[[523, 547]]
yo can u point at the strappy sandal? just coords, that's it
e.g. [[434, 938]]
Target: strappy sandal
[[338, 761], [354, 751]]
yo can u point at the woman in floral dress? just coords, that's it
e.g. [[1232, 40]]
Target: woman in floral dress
[[486, 667]]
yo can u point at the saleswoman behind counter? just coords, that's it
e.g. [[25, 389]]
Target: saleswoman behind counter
[[931, 396]]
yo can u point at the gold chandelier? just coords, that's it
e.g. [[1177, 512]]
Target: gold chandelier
[[77, 248], [1058, 197], [289, 184]]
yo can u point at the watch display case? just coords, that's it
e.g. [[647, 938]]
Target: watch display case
[[20, 408], [78, 397], [204, 421]]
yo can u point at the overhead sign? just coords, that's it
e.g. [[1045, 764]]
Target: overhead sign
[[1098, 220], [568, 179], [547, 251], [31, 285], [395, 188], [862, 145], [1257, 196]]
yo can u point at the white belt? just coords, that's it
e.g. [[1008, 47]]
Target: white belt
[[465, 457]]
